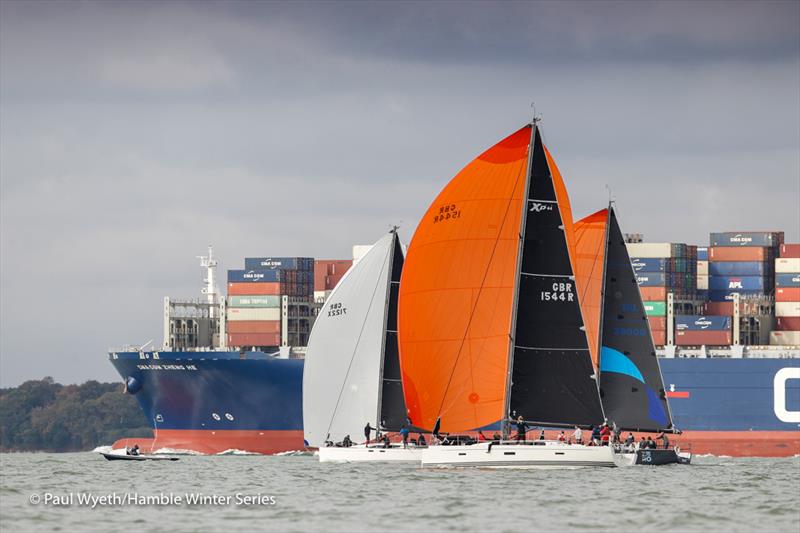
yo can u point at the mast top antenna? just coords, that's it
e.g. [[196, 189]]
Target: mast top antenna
[[536, 116]]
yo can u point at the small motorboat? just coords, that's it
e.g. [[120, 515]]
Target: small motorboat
[[126, 457]]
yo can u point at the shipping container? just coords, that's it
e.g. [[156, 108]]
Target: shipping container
[[702, 282], [655, 308], [787, 280], [278, 263], [787, 309], [702, 268], [253, 314], [725, 308], [659, 337], [785, 265], [784, 338], [726, 295], [787, 323], [653, 293], [702, 323], [254, 339], [740, 268], [702, 338], [736, 283], [787, 294], [702, 253], [651, 279], [649, 264], [254, 326], [256, 276], [251, 300], [790, 250], [771, 239], [657, 323], [249, 289], [747, 253], [649, 249]]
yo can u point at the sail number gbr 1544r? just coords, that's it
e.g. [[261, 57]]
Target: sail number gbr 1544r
[[560, 291]]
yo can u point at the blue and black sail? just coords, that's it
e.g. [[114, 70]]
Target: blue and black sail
[[631, 386]]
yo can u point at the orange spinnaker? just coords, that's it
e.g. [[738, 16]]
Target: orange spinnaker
[[590, 245], [457, 292]]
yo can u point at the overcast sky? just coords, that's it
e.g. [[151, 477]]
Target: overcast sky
[[132, 135]]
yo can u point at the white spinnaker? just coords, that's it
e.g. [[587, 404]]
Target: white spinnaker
[[341, 377]]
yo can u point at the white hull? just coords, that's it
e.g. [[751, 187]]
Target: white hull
[[541, 454], [377, 453]]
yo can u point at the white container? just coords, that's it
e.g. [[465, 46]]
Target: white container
[[787, 308], [702, 268], [784, 338], [254, 314], [702, 282], [646, 250], [787, 265]]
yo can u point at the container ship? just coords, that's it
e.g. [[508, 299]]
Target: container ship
[[725, 319]]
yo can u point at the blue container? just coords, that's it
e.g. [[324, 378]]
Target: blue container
[[740, 268], [770, 239], [254, 276], [702, 253], [787, 280], [737, 283], [651, 279], [647, 264], [277, 263], [702, 323], [726, 296]]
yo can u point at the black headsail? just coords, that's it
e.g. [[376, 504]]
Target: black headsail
[[392, 414], [631, 386], [552, 380]]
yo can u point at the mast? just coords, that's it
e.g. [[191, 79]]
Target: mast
[[598, 373], [511, 334], [386, 300]]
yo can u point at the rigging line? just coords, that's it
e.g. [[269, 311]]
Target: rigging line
[[523, 170], [355, 348]]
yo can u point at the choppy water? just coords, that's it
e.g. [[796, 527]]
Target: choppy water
[[714, 494]]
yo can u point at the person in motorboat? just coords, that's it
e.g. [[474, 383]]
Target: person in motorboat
[[664, 440], [133, 451], [522, 428], [421, 440]]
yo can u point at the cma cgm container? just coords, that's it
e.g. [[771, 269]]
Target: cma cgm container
[[702, 323], [787, 280], [278, 263], [727, 295], [651, 279], [739, 268], [256, 276], [769, 239]]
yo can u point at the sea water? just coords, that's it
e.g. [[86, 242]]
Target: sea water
[[84, 492]]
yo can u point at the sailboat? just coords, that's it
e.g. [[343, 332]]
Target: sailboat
[[491, 327], [352, 371], [630, 381]]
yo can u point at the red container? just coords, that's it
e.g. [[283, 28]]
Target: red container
[[328, 272], [256, 289], [254, 339], [653, 294], [790, 250], [739, 253], [698, 338], [657, 322], [787, 294], [254, 326], [659, 337], [788, 323]]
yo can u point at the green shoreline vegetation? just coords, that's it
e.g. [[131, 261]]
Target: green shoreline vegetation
[[42, 415]]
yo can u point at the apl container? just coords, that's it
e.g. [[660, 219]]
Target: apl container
[[771, 239], [739, 268], [787, 280], [702, 323], [736, 283]]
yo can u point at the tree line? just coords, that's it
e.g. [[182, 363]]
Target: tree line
[[42, 415]]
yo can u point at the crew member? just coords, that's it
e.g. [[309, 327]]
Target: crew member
[[134, 450], [664, 440], [522, 428], [367, 431], [577, 435]]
